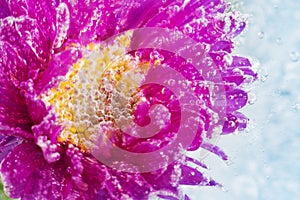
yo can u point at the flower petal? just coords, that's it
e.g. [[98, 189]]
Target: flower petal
[[20, 163], [7, 143], [13, 107], [42, 11], [27, 39], [4, 9], [59, 65], [236, 99]]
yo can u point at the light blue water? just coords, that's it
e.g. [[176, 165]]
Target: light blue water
[[265, 162]]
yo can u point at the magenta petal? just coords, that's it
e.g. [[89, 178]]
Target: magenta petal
[[12, 103], [145, 12], [222, 46], [240, 61], [18, 8], [133, 185], [44, 183], [234, 122], [4, 9], [59, 65], [214, 149], [161, 179], [27, 39], [87, 16], [45, 14], [197, 140], [190, 176], [7, 143], [236, 99], [186, 197], [20, 163], [42, 11]]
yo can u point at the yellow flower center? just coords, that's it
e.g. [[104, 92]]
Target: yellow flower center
[[100, 89]]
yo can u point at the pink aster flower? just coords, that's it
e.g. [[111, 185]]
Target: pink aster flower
[[92, 91]]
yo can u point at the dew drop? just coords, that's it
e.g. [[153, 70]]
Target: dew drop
[[294, 55]]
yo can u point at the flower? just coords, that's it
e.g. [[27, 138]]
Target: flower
[[71, 90]]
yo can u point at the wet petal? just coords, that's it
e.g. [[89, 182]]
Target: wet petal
[[59, 65], [13, 109], [42, 11], [26, 38], [236, 99], [7, 143], [190, 176], [234, 122], [18, 166], [4, 9]]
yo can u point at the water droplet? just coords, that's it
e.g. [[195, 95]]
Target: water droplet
[[261, 34], [262, 75], [296, 107], [279, 41], [187, 29], [138, 54], [251, 98], [12, 38], [294, 55], [228, 59]]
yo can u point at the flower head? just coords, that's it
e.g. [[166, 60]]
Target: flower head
[[103, 99]]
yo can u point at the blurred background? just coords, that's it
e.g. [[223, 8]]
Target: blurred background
[[265, 160]]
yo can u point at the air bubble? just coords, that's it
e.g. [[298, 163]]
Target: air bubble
[[294, 55], [261, 35], [251, 98], [138, 54], [12, 38], [171, 82], [296, 107], [228, 59], [155, 55], [279, 41], [187, 29]]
